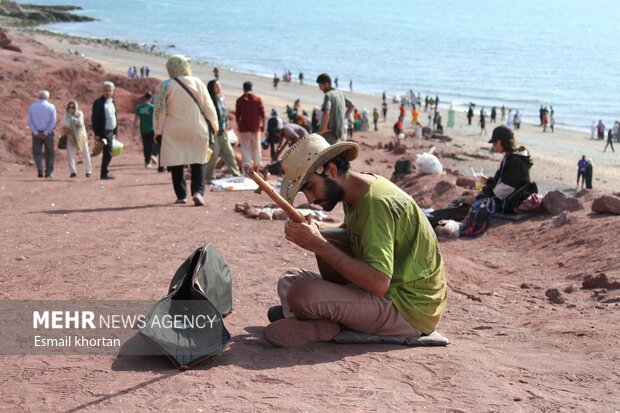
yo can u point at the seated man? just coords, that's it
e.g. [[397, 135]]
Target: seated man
[[508, 187], [393, 282]]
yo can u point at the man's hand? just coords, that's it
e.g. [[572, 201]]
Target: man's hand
[[306, 235], [41, 135]]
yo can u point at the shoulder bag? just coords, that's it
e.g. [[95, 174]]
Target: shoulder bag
[[189, 92]]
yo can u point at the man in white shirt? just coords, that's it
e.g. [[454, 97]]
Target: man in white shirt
[[105, 125], [42, 121]]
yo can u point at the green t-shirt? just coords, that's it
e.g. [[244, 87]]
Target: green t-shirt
[[387, 229], [145, 113]]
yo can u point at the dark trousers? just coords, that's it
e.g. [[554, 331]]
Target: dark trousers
[[147, 146], [37, 152], [107, 153], [199, 174]]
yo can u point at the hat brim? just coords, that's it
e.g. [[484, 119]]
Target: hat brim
[[493, 140], [289, 190]]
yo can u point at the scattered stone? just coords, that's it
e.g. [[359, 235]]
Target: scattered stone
[[251, 212], [443, 186], [557, 201], [525, 286], [561, 219], [599, 281], [555, 296], [264, 215], [280, 215], [611, 300], [607, 204], [570, 289], [466, 182], [241, 207]]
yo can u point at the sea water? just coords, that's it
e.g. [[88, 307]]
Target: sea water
[[521, 54]]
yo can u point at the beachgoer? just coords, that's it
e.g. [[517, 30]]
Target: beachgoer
[[451, 117], [393, 281], [593, 129], [582, 167], [216, 73], [600, 128], [250, 115], [336, 107], [610, 140], [517, 120], [186, 126], [221, 146], [503, 112], [375, 118], [42, 121], [301, 78], [272, 139], [144, 115], [482, 122], [513, 173], [493, 114], [74, 129], [509, 119], [364, 121], [417, 131], [105, 126], [288, 135], [384, 109], [470, 114], [589, 173]]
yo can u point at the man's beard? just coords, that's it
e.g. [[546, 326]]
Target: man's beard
[[333, 194]]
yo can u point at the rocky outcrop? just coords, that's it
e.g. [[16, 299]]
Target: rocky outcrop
[[30, 14], [607, 204], [557, 201], [5, 43]]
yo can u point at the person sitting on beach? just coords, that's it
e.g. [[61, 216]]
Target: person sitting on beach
[[73, 127], [392, 283], [507, 187]]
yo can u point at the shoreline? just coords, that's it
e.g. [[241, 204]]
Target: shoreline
[[558, 151]]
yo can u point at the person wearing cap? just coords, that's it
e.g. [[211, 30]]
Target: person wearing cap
[[336, 108], [392, 283], [42, 121], [513, 174], [144, 113]]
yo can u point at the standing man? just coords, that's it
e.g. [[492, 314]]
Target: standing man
[[250, 115], [42, 121], [144, 113], [335, 109], [392, 281], [105, 125]]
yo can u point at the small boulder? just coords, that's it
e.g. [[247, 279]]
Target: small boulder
[[251, 212], [466, 182], [555, 296], [557, 201], [560, 220], [607, 204], [264, 215], [279, 215]]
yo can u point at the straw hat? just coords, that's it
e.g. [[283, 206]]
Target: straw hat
[[305, 156]]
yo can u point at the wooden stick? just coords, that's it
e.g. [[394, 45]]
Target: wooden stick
[[290, 210]]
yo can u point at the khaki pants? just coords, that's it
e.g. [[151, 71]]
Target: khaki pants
[[222, 149], [346, 304]]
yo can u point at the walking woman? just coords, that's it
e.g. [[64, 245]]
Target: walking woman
[[72, 126], [221, 147], [184, 113]]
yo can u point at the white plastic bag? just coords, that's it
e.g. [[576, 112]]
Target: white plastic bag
[[428, 164], [117, 147]]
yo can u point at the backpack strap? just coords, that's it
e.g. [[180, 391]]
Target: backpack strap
[[189, 92]]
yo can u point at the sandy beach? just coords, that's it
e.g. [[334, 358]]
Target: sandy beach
[[512, 347], [555, 154]]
